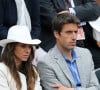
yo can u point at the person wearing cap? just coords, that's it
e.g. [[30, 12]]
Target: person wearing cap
[[16, 69]]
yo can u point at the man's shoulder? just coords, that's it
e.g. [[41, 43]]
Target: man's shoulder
[[81, 50], [49, 56]]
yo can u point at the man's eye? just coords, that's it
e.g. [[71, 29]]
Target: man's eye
[[69, 32], [76, 31]]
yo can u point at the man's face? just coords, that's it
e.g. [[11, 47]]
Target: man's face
[[67, 37]]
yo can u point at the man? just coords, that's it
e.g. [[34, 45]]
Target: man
[[67, 67], [85, 10]]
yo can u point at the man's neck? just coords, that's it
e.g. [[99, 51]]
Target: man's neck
[[66, 52]]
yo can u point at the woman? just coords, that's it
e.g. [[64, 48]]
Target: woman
[[16, 69]]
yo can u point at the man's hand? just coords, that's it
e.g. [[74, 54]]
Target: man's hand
[[61, 87], [65, 11], [98, 44]]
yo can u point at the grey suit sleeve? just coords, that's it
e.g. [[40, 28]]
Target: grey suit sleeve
[[47, 76], [88, 10], [93, 82], [93, 85]]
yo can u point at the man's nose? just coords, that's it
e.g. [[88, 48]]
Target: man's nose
[[74, 35]]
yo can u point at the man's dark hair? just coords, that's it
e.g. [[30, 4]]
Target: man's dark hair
[[63, 19]]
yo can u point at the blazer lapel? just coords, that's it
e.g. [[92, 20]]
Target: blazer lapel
[[80, 67], [63, 65]]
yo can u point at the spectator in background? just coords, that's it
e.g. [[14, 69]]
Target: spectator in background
[[19, 12], [85, 10], [67, 67], [16, 69], [94, 47], [96, 30]]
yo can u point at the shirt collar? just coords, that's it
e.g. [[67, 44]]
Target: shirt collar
[[74, 57]]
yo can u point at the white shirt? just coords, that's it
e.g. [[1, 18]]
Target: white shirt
[[23, 14], [8, 83]]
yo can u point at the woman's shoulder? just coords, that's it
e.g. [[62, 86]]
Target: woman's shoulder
[[3, 69], [2, 66]]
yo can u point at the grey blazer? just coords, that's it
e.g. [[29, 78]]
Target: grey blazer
[[54, 70]]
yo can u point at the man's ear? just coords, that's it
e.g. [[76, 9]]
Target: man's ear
[[56, 34]]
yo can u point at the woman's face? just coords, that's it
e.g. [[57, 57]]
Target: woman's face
[[22, 52]]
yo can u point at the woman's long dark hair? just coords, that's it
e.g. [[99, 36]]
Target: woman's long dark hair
[[26, 67]]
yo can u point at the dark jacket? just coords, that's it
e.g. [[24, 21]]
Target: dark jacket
[[86, 10], [8, 16]]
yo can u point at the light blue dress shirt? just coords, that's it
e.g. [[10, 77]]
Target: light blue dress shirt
[[73, 68]]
